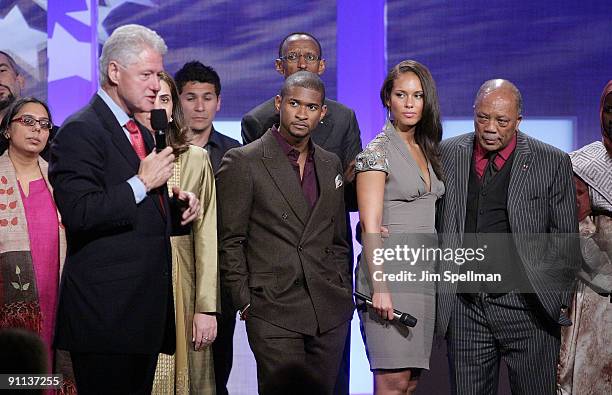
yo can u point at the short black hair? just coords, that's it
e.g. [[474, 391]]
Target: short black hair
[[287, 37], [12, 110], [16, 106], [304, 79], [198, 72]]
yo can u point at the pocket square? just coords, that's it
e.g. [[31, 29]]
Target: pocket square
[[338, 181]]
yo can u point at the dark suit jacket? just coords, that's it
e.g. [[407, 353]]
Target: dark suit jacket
[[541, 200], [338, 132], [289, 263], [116, 291], [218, 144]]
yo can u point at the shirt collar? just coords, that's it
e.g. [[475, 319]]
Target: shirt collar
[[213, 138], [117, 111], [288, 149]]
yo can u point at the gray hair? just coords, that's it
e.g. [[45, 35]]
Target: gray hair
[[11, 62], [125, 44], [495, 84]]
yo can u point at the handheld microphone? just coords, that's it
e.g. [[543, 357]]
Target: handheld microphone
[[403, 318], [159, 123]]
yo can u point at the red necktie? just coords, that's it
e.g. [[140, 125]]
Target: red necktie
[[136, 139], [141, 151]]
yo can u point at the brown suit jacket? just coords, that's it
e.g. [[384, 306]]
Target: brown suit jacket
[[288, 261]]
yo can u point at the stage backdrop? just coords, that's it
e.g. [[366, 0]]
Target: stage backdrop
[[23, 34], [238, 39], [558, 52]]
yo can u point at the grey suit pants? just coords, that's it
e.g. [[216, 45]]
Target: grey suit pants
[[485, 329]]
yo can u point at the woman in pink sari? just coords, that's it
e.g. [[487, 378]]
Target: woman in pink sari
[[32, 241]]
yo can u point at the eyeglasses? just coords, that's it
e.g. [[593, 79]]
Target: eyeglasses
[[31, 121], [293, 57]]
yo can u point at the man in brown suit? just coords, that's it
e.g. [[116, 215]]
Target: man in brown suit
[[283, 245]]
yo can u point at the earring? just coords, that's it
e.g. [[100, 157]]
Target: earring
[[7, 135], [389, 115]]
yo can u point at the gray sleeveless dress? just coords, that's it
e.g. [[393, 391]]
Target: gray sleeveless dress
[[408, 208]]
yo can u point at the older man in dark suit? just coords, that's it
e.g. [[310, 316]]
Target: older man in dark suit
[[283, 245], [115, 310], [517, 192]]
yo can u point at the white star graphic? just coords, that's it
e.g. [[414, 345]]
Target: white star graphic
[[104, 11], [22, 41], [41, 3], [70, 57]]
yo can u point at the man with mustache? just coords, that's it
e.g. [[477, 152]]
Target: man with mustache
[[11, 82], [505, 187], [200, 89], [337, 132], [283, 247]]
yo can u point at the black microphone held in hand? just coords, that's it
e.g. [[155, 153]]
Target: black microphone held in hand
[[159, 124], [403, 318]]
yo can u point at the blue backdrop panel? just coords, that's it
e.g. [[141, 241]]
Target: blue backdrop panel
[[558, 53], [239, 39]]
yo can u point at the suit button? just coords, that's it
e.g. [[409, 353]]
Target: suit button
[[285, 215], [483, 193], [297, 283], [300, 248], [481, 211]]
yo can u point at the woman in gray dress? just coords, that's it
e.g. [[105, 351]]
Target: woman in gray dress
[[398, 183]]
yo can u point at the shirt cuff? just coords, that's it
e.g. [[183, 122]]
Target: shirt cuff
[[243, 313], [139, 189]]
